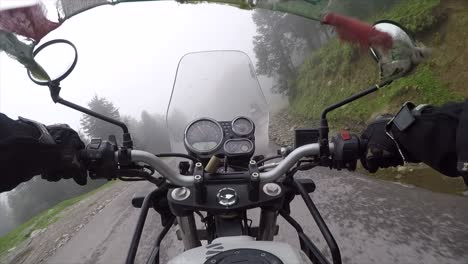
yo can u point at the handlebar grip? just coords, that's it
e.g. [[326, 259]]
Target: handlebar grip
[[99, 159]]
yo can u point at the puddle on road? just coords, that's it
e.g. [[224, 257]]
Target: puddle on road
[[422, 177]]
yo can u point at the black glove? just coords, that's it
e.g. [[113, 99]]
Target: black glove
[[381, 151], [70, 145]]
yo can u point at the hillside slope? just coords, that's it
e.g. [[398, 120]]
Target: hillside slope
[[339, 70]]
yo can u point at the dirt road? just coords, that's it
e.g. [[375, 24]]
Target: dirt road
[[373, 222]]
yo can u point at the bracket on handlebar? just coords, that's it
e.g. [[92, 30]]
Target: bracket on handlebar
[[254, 188], [124, 156], [200, 188]]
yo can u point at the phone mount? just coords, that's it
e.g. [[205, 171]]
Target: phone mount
[[54, 88]]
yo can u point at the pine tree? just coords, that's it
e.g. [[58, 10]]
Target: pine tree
[[96, 128]]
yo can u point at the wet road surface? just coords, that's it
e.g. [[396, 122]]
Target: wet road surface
[[373, 221]]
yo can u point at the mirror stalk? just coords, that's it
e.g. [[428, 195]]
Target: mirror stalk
[[323, 140], [54, 88], [55, 94]]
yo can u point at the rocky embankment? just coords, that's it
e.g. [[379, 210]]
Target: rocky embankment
[[282, 126]]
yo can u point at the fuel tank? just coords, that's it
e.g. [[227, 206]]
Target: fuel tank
[[282, 251]]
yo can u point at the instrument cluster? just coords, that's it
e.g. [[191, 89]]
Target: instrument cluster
[[206, 137]]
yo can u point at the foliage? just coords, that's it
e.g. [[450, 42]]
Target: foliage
[[149, 133], [421, 87], [360, 8], [281, 43], [283, 40], [152, 133], [416, 16], [310, 9], [333, 57], [96, 128], [40, 221], [338, 70]]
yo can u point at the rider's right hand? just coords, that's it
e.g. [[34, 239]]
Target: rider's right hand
[[381, 150]]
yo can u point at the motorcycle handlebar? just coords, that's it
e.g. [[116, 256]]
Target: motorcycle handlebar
[[101, 158], [183, 180]]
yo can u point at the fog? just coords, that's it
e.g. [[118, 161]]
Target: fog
[[128, 53], [6, 218]]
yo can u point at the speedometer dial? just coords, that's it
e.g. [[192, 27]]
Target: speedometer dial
[[203, 135], [242, 126]]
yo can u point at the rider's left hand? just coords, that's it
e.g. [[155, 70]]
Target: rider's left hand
[[70, 145]]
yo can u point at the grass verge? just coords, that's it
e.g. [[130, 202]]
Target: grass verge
[[40, 221]]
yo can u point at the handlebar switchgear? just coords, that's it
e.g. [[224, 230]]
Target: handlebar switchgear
[[347, 151], [99, 157]]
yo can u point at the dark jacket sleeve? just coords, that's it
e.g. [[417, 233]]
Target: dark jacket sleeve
[[22, 156], [432, 138]]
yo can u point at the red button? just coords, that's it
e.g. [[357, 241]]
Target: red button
[[345, 135]]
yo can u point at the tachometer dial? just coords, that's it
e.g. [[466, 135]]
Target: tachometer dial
[[203, 135], [242, 126]]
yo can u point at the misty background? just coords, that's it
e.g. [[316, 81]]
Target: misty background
[[128, 55]]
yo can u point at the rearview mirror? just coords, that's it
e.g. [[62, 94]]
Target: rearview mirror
[[57, 61], [404, 55]]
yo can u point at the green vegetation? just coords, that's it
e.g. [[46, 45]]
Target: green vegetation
[[305, 8], [415, 15], [42, 220], [300, 8], [338, 70]]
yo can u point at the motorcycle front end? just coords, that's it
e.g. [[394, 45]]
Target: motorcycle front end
[[217, 120]]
